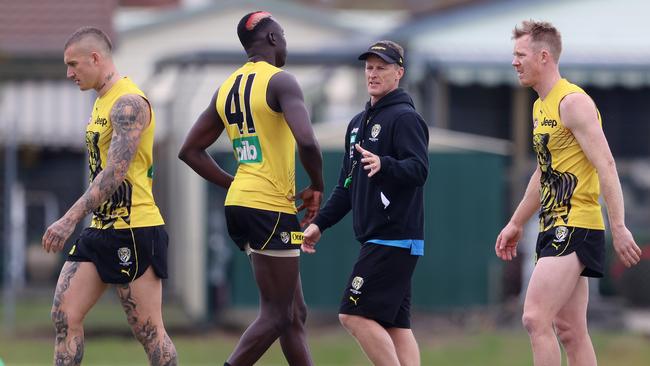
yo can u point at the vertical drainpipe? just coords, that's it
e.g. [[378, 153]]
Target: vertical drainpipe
[[10, 163]]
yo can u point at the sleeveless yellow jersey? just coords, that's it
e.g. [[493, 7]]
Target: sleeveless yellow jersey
[[569, 183], [132, 205], [261, 140]]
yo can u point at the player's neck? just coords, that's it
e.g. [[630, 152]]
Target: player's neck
[[262, 58], [546, 83], [107, 81]]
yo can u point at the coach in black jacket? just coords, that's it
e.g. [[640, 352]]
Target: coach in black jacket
[[384, 169]]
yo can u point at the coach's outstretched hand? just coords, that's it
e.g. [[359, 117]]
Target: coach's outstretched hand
[[311, 236], [372, 162]]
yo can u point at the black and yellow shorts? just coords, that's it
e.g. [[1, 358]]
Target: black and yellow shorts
[[588, 244], [122, 255], [262, 229]]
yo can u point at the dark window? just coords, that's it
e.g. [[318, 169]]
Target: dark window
[[626, 115], [481, 110]]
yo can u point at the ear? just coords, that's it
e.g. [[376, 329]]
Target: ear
[[545, 56], [95, 57], [271, 38]]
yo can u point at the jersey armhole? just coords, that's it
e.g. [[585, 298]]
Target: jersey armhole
[[267, 106]]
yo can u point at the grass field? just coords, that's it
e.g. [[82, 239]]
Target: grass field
[[331, 347], [479, 344]]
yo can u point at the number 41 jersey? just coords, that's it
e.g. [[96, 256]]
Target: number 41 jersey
[[261, 141]]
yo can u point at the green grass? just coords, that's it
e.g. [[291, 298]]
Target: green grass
[[481, 345], [332, 347]]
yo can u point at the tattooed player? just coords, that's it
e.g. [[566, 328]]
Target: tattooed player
[[126, 243]]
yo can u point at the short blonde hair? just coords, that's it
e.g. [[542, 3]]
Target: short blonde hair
[[541, 32], [97, 35]]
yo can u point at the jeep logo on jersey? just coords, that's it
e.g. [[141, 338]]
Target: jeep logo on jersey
[[357, 282], [124, 254], [375, 132], [561, 233], [247, 149], [101, 121], [284, 236], [549, 122]]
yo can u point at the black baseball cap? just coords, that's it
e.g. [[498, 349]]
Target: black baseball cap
[[384, 52]]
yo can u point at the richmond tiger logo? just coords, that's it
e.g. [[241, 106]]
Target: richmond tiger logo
[[556, 187]]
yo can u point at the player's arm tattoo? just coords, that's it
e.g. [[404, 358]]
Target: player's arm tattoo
[[129, 116]]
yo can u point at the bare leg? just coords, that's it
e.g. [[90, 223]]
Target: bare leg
[[294, 340], [77, 290], [551, 286], [374, 340], [571, 327], [277, 278], [406, 346], [142, 303]]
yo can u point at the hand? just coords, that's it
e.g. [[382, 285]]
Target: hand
[[506, 245], [372, 162], [628, 252], [311, 236], [56, 235], [311, 200]]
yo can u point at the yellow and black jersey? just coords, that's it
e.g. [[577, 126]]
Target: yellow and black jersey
[[132, 205], [261, 141], [569, 186]]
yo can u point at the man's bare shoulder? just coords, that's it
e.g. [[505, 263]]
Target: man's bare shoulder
[[577, 109], [283, 80], [576, 100], [283, 87], [131, 100], [130, 109]]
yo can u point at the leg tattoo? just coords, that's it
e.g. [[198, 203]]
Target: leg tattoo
[[157, 344], [66, 351]]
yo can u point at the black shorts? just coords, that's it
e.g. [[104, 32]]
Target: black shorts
[[262, 229], [379, 287], [588, 244], [122, 255]]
